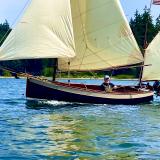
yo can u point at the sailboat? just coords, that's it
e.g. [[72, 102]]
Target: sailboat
[[82, 35], [152, 56]]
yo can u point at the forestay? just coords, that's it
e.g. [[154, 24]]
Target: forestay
[[44, 31], [152, 58], [103, 37]]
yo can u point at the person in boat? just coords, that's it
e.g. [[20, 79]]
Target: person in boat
[[148, 86], [15, 75], [107, 85], [156, 86]]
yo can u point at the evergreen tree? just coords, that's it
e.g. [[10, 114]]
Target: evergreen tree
[[150, 31], [157, 26], [4, 31], [30, 66], [143, 28], [136, 26]]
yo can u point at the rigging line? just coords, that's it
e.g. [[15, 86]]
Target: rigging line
[[83, 30], [67, 31], [130, 34], [26, 4], [110, 25], [64, 64], [145, 45], [86, 41], [121, 57], [127, 67], [97, 7], [69, 72], [109, 69], [83, 57], [106, 62], [113, 44], [94, 75]]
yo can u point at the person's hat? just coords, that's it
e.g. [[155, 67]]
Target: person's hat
[[106, 77]]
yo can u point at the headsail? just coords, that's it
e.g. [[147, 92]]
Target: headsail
[[103, 37], [152, 58], [44, 31]]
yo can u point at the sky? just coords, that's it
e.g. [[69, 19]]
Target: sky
[[10, 9]]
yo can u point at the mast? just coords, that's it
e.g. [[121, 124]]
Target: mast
[[145, 46], [152, 57], [100, 42], [55, 64]]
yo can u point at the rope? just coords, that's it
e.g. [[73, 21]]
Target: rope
[[105, 61], [15, 72], [69, 73], [145, 45], [83, 56]]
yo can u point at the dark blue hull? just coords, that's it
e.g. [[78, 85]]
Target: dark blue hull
[[38, 91]]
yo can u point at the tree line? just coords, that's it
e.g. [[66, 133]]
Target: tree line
[[143, 27], [35, 67]]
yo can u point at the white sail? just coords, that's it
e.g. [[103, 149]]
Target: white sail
[[152, 58], [103, 38], [95, 32], [44, 31]]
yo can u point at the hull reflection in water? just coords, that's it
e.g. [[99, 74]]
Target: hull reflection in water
[[94, 131]]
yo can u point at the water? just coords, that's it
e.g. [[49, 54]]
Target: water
[[31, 129]]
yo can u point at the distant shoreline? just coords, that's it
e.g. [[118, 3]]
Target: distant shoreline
[[99, 79]]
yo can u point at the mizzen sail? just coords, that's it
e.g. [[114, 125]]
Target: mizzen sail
[[44, 31], [103, 38], [152, 58]]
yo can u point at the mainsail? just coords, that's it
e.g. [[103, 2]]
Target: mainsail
[[83, 34], [152, 58], [103, 38]]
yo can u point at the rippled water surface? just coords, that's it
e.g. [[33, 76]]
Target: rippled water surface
[[32, 129]]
